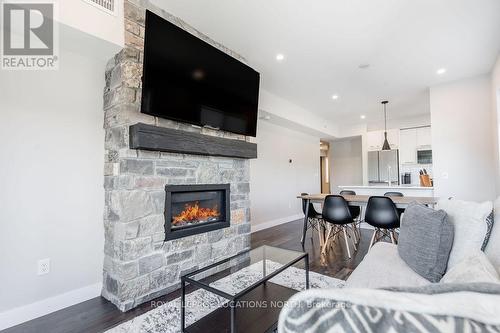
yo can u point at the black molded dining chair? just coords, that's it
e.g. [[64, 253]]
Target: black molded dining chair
[[312, 211], [338, 218], [355, 213], [395, 194], [355, 210], [382, 214], [313, 217]]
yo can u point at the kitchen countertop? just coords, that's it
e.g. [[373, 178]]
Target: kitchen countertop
[[401, 202], [410, 187]]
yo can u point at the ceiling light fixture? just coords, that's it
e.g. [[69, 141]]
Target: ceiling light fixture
[[441, 71], [386, 145], [280, 57], [335, 97], [362, 116]]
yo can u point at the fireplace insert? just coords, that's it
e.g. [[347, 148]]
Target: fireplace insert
[[194, 209]]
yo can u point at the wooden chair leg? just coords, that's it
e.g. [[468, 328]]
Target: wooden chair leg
[[358, 230], [327, 238], [354, 232], [393, 237], [375, 232], [346, 242]]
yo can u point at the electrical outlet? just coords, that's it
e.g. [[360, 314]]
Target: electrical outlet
[[43, 266]]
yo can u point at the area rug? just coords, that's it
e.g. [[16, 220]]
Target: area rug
[[166, 317]]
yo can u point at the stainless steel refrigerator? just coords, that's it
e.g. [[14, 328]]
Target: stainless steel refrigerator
[[382, 165]]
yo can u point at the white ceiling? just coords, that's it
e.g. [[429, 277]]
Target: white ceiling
[[324, 42]]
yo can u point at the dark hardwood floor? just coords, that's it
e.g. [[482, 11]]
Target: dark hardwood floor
[[99, 315], [334, 263]]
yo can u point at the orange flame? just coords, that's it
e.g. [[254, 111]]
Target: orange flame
[[195, 213]]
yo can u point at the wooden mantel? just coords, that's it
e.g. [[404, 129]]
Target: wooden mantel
[[149, 137]]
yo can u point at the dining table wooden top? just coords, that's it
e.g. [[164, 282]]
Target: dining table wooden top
[[363, 199]]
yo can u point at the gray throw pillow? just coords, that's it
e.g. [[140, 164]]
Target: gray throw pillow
[[425, 241]]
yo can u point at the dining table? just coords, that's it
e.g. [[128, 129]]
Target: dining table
[[360, 201]]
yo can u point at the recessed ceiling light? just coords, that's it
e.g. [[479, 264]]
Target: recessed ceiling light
[[280, 57], [441, 71], [335, 96], [362, 116]]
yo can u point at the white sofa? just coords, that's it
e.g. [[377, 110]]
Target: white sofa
[[382, 266], [410, 304]]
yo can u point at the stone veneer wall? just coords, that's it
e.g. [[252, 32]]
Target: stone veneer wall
[[138, 264]]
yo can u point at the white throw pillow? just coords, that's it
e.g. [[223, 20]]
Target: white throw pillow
[[469, 220], [493, 248], [476, 268]]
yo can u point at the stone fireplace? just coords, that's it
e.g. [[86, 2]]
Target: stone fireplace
[[145, 252]]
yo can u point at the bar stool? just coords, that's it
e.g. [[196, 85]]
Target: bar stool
[[356, 215], [313, 217], [395, 194], [382, 214], [337, 216]]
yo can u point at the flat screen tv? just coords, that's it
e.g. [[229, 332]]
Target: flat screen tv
[[188, 80]]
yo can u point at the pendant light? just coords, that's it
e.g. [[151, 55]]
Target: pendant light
[[386, 145]]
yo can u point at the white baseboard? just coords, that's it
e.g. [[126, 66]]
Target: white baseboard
[[31, 311], [273, 223]]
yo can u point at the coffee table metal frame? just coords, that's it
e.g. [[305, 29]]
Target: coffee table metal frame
[[234, 298]]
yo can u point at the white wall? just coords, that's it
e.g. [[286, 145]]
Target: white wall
[[274, 182], [51, 192], [346, 162], [280, 107], [463, 139], [88, 18]]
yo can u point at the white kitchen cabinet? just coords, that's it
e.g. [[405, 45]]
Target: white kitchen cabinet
[[375, 139], [424, 137], [408, 146]]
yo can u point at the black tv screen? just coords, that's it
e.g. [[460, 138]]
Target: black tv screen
[[187, 80]]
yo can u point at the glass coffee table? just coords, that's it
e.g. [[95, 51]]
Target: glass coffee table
[[251, 302]]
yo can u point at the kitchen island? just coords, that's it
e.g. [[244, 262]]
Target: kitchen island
[[407, 190]]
